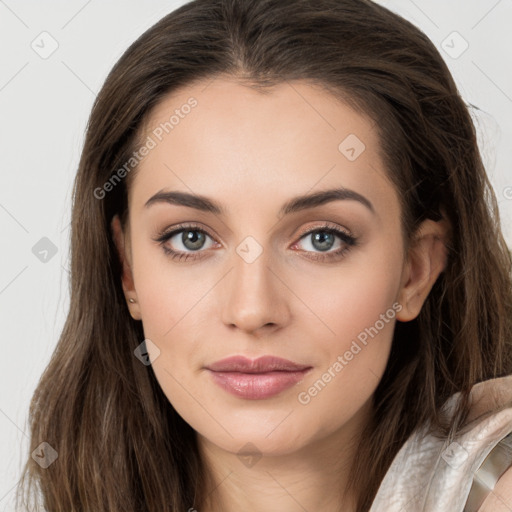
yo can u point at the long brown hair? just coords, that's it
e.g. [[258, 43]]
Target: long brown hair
[[121, 445]]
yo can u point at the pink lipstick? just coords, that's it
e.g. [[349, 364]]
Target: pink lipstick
[[256, 379]]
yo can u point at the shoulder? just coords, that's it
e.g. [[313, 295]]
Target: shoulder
[[500, 499]]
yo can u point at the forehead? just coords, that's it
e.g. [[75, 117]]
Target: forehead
[[221, 135]]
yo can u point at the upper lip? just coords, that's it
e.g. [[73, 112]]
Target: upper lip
[[260, 365]]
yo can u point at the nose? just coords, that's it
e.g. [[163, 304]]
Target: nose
[[255, 296]]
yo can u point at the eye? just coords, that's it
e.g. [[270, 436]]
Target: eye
[[186, 238], [323, 239]]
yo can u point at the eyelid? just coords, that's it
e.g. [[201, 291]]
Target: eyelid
[[326, 225], [165, 234], [192, 226]]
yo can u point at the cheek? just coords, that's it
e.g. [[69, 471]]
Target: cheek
[[353, 295], [358, 308], [172, 303], [165, 291]]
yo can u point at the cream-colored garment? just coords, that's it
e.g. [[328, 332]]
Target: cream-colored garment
[[430, 475]]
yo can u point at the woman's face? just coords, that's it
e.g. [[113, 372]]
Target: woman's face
[[262, 276]]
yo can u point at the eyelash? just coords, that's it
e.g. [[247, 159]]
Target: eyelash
[[345, 237]]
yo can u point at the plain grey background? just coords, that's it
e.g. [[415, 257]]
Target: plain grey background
[[54, 57]]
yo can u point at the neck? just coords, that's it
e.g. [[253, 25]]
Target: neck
[[314, 477]]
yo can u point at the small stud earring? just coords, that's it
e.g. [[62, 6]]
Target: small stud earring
[[131, 300]]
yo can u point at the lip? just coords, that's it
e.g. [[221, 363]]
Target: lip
[[256, 379]]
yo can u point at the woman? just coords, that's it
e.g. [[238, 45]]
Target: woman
[[289, 287]]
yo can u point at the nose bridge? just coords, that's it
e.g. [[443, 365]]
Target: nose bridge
[[254, 295]]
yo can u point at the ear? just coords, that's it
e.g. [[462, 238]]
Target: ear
[[122, 244], [427, 258]]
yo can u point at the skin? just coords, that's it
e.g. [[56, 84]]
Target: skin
[[500, 499], [252, 153]]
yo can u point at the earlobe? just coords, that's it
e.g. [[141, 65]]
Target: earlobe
[[426, 260], [120, 241]]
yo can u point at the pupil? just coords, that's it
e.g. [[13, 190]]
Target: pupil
[[192, 239], [321, 237]]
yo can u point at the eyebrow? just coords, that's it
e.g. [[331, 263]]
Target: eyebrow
[[295, 204]]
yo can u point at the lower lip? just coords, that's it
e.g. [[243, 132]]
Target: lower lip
[[257, 386]]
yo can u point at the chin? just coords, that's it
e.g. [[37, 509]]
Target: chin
[[257, 441]]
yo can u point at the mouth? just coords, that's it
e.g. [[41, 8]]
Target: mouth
[[257, 379]]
